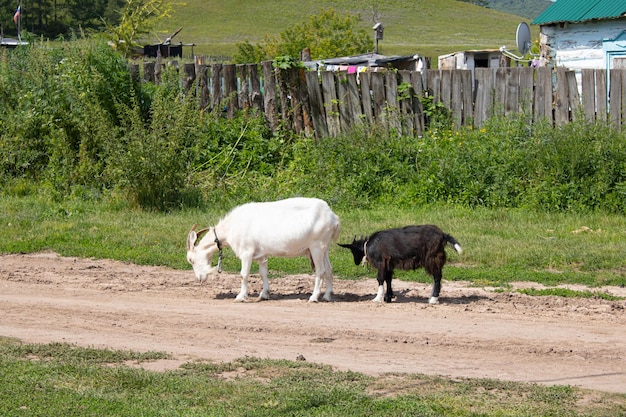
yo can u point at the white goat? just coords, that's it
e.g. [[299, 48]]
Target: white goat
[[254, 231]]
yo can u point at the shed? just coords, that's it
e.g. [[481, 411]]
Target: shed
[[477, 58], [579, 34]]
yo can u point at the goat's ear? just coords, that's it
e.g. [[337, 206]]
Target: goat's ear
[[345, 245], [191, 238]]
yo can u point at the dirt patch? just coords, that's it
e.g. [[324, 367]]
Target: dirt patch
[[473, 332]]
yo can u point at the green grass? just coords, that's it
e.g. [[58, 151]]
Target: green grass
[[64, 380], [500, 245], [427, 27]]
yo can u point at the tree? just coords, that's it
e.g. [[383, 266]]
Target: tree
[[327, 34], [137, 18]]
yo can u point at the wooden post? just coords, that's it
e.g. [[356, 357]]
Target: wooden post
[[366, 97], [269, 98], [189, 71], [216, 84], [256, 96], [316, 102], [331, 107], [230, 89]]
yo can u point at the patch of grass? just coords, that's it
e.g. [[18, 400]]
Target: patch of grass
[[499, 245], [428, 27], [565, 292], [64, 384]]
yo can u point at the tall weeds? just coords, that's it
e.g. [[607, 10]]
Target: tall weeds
[[73, 123]]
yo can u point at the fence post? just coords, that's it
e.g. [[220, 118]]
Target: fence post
[[269, 98], [316, 103]]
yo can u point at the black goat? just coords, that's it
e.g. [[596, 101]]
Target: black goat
[[407, 248]]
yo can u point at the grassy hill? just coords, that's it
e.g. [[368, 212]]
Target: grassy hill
[[427, 27], [526, 8]]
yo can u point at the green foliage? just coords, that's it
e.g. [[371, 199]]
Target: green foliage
[[137, 18], [62, 380], [564, 292], [327, 34]]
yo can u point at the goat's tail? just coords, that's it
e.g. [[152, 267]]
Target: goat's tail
[[453, 242]]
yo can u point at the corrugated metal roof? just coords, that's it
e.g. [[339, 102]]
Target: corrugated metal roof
[[581, 10]]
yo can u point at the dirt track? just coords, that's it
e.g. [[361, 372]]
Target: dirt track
[[473, 332]]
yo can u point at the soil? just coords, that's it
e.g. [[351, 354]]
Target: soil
[[472, 332]]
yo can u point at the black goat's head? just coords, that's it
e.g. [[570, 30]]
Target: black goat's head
[[357, 247]]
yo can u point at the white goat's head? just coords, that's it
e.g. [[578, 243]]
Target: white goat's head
[[200, 256]]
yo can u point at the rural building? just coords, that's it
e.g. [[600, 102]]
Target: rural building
[[483, 58], [579, 34]]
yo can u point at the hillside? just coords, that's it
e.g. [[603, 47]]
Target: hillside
[[427, 27], [525, 8]]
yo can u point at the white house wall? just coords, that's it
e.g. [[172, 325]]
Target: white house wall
[[578, 45]]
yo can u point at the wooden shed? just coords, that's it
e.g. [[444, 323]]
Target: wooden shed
[[579, 34]]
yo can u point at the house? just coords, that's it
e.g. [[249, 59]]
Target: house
[[579, 34]]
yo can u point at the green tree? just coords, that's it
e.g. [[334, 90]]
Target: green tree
[[327, 34], [137, 18]]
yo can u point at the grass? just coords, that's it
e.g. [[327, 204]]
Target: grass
[[64, 380], [428, 27], [500, 245]]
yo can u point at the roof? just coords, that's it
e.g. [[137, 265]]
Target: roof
[[580, 11], [370, 59]]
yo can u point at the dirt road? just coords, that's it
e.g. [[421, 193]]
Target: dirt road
[[473, 332]]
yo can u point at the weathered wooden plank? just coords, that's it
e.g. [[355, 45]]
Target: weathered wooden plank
[[543, 94], [468, 96], [622, 81], [256, 95], [189, 76], [329, 92], [366, 97], [283, 95], [418, 108], [601, 95], [303, 97], [500, 92], [230, 89], [406, 97], [296, 98], [203, 86], [572, 94], [526, 84], [588, 79], [512, 98], [316, 103], [243, 96], [434, 85], [356, 113], [392, 104], [456, 98], [269, 97], [343, 103], [378, 96], [446, 87], [615, 98], [561, 98], [484, 79], [216, 86], [148, 72]]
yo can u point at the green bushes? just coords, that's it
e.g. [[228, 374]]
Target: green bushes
[[73, 123]]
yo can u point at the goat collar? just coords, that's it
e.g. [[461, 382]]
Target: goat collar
[[219, 247]]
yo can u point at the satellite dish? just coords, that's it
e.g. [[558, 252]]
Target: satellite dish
[[522, 37]]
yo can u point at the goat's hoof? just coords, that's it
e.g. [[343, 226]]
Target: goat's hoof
[[240, 299], [264, 296], [433, 300]]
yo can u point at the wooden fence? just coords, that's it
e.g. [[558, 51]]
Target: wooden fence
[[328, 103]]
